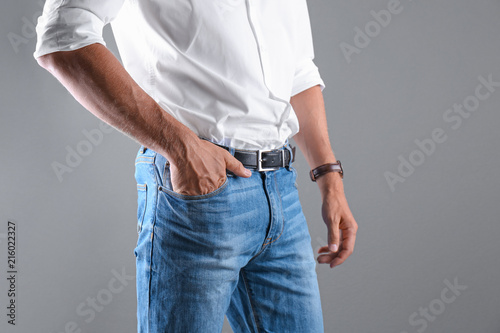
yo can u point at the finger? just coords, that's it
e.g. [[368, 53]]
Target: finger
[[348, 241], [333, 236], [326, 258], [236, 167], [343, 255], [324, 249]]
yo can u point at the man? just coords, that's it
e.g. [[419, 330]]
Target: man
[[212, 90]]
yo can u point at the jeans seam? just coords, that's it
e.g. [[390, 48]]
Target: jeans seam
[[143, 188], [153, 165], [271, 223], [247, 289], [147, 160], [282, 214]]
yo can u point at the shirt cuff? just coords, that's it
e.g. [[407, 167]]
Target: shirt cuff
[[66, 30], [306, 76]]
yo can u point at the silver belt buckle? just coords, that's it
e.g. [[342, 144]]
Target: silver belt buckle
[[259, 160]]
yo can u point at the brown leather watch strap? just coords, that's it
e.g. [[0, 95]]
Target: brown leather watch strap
[[326, 168]]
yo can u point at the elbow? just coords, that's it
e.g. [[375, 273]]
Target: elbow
[[48, 61], [56, 61]]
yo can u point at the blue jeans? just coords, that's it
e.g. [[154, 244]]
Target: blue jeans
[[243, 251]]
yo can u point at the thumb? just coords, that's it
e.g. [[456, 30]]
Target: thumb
[[236, 167], [333, 236]]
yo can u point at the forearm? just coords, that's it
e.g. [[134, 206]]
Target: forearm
[[99, 82], [313, 139]]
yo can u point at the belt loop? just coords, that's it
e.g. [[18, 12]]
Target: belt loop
[[291, 150], [231, 151]]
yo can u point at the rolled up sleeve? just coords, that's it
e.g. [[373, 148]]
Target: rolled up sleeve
[[306, 72], [67, 25]]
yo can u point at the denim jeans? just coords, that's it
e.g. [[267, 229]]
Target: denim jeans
[[243, 251]]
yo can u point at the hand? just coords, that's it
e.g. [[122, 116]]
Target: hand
[[340, 223], [201, 168]]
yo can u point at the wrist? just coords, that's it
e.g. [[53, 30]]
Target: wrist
[[179, 142], [330, 184]]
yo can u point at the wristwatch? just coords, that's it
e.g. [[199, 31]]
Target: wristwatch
[[326, 168]]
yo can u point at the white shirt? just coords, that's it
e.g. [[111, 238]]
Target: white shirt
[[224, 68]]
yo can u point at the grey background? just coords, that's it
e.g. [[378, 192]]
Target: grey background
[[441, 223]]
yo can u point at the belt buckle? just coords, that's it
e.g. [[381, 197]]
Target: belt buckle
[[259, 160]]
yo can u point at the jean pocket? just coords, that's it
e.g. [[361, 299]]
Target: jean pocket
[[141, 205], [168, 190]]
